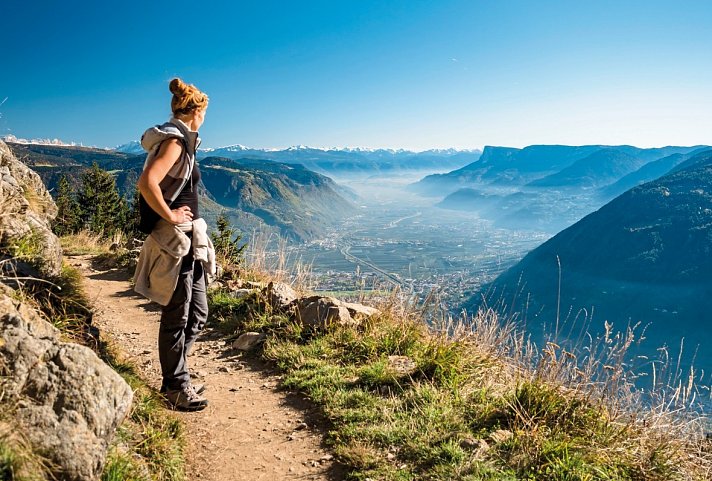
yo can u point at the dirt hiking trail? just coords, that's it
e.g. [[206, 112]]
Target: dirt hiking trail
[[251, 430]]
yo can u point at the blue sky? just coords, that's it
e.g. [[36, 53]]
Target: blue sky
[[411, 74]]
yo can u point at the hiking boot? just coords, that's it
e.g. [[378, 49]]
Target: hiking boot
[[198, 388], [185, 399]]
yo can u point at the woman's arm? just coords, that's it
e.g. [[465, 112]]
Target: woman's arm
[[153, 174]]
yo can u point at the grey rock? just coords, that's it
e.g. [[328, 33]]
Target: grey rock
[[67, 401], [248, 340], [27, 210], [321, 312], [479, 447], [359, 311], [281, 296], [241, 293]]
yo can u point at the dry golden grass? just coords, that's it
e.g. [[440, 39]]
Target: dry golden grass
[[85, 242]]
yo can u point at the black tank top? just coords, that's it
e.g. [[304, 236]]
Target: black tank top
[[189, 195]]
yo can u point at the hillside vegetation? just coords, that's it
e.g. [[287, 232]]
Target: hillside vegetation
[[256, 194]]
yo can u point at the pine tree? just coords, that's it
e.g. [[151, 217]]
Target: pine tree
[[133, 218], [67, 220], [103, 210], [227, 247]]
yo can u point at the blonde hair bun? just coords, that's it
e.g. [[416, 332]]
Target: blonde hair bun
[[186, 97], [177, 87]]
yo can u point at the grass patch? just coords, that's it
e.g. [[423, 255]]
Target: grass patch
[[18, 461], [85, 242], [28, 248], [150, 443], [468, 408]]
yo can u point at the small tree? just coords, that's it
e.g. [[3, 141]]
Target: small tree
[[133, 218], [67, 220], [103, 210], [227, 243]]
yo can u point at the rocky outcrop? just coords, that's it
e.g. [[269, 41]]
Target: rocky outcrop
[[280, 295], [66, 400], [62, 398], [321, 312], [26, 210]]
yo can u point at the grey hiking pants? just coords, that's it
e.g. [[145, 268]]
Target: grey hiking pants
[[181, 322]]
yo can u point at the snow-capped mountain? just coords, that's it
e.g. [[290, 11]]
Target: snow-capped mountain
[[133, 147], [341, 160], [11, 138]]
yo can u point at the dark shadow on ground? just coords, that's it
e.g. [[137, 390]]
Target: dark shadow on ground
[[122, 275]]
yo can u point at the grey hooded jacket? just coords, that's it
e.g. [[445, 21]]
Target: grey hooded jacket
[[179, 174]]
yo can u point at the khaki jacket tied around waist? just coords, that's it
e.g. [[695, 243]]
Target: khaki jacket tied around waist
[[159, 263]]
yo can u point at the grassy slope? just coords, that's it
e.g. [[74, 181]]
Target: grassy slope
[[471, 407]]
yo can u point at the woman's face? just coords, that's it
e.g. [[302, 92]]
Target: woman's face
[[199, 118]]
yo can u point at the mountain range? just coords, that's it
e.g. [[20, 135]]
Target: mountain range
[[644, 257], [546, 166], [343, 162], [548, 187], [256, 194]]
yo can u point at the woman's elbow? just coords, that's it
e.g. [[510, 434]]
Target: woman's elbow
[[144, 183]]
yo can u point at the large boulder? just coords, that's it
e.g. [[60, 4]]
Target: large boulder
[[66, 401], [27, 209], [322, 312]]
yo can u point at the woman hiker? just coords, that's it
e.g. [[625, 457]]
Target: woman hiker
[[177, 259]]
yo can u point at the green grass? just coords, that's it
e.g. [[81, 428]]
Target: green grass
[[150, 443], [18, 462], [432, 423], [28, 248]]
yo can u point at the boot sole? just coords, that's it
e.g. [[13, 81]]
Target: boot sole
[[198, 407]]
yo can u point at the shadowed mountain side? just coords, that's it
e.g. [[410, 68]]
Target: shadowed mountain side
[[645, 256], [600, 168], [648, 172]]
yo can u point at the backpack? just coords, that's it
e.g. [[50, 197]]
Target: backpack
[[148, 218]]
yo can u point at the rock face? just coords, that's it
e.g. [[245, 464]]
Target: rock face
[[67, 401], [27, 209]]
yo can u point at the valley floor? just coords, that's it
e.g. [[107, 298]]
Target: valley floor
[[251, 430]]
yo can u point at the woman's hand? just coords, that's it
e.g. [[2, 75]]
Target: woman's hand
[[181, 215]]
